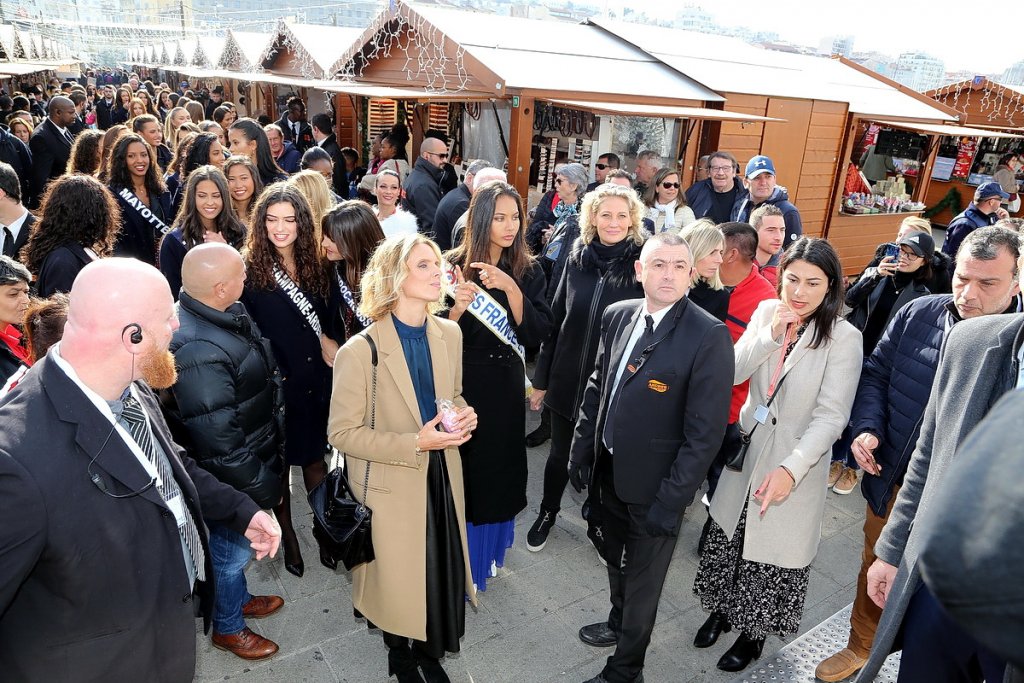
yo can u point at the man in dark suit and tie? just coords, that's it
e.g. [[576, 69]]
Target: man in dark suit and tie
[[50, 145], [103, 547], [15, 220], [652, 419]]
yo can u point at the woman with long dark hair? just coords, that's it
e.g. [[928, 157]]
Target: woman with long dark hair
[[244, 183], [287, 293], [165, 104], [119, 114], [416, 587], [493, 258], [666, 203], [246, 137], [205, 150], [205, 216], [85, 153], [350, 235], [756, 562], [79, 221], [110, 138], [147, 100], [133, 177], [175, 176]]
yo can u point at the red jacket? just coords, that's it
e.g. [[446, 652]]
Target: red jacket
[[744, 299]]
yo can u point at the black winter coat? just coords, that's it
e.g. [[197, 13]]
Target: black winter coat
[[566, 359], [227, 407], [942, 269], [894, 388], [15, 152], [423, 193], [449, 210], [60, 268]]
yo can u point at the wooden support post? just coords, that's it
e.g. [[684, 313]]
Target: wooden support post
[[520, 140]]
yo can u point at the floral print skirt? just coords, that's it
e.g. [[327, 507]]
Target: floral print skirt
[[757, 599]]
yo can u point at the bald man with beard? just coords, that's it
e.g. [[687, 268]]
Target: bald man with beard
[[104, 557]]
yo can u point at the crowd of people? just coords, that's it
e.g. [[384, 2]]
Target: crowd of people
[[192, 303]]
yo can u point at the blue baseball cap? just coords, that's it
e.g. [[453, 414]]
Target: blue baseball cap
[[758, 165], [989, 190]]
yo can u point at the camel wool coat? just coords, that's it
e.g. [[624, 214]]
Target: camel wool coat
[[808, 415], [390, 591]]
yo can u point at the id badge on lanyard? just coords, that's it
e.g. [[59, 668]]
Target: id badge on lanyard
[[761, 411]]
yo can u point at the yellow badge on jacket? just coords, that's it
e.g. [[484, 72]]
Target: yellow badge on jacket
[[655, 385]]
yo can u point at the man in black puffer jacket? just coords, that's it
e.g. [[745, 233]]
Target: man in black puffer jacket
[[227, 410]]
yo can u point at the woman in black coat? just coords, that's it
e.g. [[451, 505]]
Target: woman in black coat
[[707, 244], [351, 233], [600, 271], [79, 223], [494, 258], [287, 293], [134, 179]]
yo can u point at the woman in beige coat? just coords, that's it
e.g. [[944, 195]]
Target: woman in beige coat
[[767, 517], [416, 587]]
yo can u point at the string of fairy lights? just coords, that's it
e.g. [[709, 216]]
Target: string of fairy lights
[[999, 104]]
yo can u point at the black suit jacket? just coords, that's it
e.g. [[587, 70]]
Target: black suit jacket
[[304, 140], [22, 238], [93, 588], [50, 154], [672, 413], [340, 181], [60, 268], [103, 113]]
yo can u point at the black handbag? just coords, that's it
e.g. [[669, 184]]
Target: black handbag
[[739, 446], [341, 524]]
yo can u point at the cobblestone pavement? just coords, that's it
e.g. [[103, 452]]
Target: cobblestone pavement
[[525, 628]]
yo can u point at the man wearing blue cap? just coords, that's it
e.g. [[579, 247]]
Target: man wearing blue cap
[[763, 190], [983, 212]]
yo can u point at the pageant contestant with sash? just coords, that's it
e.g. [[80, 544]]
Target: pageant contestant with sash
[[351, 234], [134, 179], [287, 290], [494, 259]]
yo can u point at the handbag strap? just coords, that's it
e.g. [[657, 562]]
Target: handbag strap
[[373, 402]]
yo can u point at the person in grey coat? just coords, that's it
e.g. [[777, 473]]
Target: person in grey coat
[[988, 606], [979, 363]]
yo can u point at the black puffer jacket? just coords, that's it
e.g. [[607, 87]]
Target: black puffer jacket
[[227, 407], [587, 286]]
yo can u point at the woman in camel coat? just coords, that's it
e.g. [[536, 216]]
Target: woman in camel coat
[[417, 585]]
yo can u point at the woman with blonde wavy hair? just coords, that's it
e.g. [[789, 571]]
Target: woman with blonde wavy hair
[[600, 271], [317, 192], [398, 414], [707, 244]]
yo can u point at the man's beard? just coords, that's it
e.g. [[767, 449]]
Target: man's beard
[[157, 369]]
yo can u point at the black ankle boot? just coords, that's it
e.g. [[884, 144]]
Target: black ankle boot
[[741, 654], [402, 665], [543, 431], [432, 670], [707, 635]]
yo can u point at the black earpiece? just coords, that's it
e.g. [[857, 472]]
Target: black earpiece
[[136, 336]]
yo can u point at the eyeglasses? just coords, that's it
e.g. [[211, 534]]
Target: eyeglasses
[[670, 186], [909, 254], [720, 169], [439, 156]]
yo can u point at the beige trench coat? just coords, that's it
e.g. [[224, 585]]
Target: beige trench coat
[[808, 415], [391, 590]]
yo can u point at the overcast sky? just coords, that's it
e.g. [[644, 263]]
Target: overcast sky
[[942, 28]]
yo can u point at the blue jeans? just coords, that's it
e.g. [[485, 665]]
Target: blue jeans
[[230, 553]]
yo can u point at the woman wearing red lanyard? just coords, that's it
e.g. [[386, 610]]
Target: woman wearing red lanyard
[[14, 281], [767, 516]]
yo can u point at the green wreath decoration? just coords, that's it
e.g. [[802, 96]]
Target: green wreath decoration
[[953, 201]]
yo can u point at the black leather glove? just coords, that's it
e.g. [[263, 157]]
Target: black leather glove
[[661, 521], [579, 475]]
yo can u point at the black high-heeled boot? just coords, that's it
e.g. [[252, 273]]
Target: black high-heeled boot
[[402, 665], [432, 670], [715, 626], [741, 654]]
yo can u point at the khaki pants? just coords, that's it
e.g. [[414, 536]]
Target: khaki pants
[[865, 615]]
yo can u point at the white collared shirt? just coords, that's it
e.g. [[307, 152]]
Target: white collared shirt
[[638, 329], [15, 227]]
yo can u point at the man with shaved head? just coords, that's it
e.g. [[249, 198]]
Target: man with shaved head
[[423, 186], [227, 409], [104, 558], [50, 145]]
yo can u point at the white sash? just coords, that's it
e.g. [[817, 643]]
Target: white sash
[[350, 301], [491, 315], [133, 201], [299, 300]]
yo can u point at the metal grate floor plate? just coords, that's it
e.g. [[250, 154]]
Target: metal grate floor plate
[[795, 663]]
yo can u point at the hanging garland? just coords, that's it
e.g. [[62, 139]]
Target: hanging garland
[[952, 200]]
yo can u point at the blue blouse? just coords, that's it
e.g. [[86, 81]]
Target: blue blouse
[[421, 370]]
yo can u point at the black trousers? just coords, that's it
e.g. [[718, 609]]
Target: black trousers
[[637, 565], [556, 471]]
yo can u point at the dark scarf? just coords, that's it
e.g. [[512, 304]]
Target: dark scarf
[[614, 260]]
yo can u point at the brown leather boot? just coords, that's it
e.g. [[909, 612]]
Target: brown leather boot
[[246, 644], [260, 606]]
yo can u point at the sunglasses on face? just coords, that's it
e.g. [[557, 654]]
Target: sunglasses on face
[[439, 156], [670, 186], [601, 167]]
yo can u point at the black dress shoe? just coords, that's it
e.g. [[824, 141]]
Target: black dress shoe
[[707, 635], [741, 654], [599, 678], [539, 435], [599, 635]]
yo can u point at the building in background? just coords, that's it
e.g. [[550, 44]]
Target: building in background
[[919, 71], [836, 45]]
